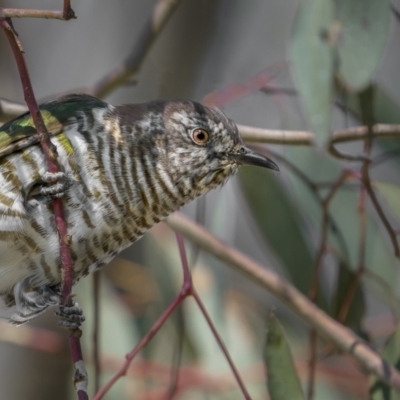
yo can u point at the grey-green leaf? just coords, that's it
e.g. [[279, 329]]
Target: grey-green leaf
[[364, 28], [283, 381], [312, 60], [391, 194]]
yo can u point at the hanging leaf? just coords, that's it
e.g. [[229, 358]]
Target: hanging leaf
[[283, 381], [312, 60], [364, 28]]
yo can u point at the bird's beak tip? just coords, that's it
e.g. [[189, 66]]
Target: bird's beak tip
[[251, 157]]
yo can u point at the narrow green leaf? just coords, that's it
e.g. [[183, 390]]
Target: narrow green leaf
[[391, 193], [364, 27], [280, 224], [391, 354], [312, 59], [283, 381]]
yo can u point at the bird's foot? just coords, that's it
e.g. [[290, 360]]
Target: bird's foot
[[57, 184], [71, 316], [47, 188]]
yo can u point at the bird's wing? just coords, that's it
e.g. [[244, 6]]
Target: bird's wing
[[21, 133]]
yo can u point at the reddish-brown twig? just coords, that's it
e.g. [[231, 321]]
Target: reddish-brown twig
[[161, 13], [187, 290], [314, 284], [50, 152], [146, 339], [186, 274]]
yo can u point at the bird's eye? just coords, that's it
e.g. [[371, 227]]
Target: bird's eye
[[200, 136]]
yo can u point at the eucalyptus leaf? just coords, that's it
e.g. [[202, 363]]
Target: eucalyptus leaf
[[364, 28], [312, 60], [283, 381]]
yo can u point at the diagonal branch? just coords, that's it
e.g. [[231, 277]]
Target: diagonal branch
[[325, 326], [162, 11]]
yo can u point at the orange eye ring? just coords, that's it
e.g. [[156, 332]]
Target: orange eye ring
[[200, 136]]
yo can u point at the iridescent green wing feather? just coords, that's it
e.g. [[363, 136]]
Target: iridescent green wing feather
[[21, 133]]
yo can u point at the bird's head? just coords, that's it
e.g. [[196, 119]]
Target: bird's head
[[204, 146], [193, 147]]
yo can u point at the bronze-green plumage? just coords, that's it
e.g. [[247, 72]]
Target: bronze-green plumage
[[124, 169]]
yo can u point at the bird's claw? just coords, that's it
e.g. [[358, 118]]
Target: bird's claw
[[71, 316], [58, 184]]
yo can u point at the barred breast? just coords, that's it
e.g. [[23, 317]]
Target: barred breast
[[118, 191]]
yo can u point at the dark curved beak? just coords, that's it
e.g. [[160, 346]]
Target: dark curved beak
[[250, 157]]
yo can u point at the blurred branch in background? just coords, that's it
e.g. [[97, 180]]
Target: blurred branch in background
[[131, 65], [47, 14], [66, 14], [325, 326]]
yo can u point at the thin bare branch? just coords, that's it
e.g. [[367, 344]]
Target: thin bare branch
[[252, 134], [65, 14], [28, 13], [315, 280], [392, 233], [131, 65], [146, 339], [324, 325], [186, 291], [260, 135], [379, 131]]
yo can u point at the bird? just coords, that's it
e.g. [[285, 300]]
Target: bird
[[122, 170]]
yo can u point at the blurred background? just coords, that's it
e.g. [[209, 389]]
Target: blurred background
[[206, 46]]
